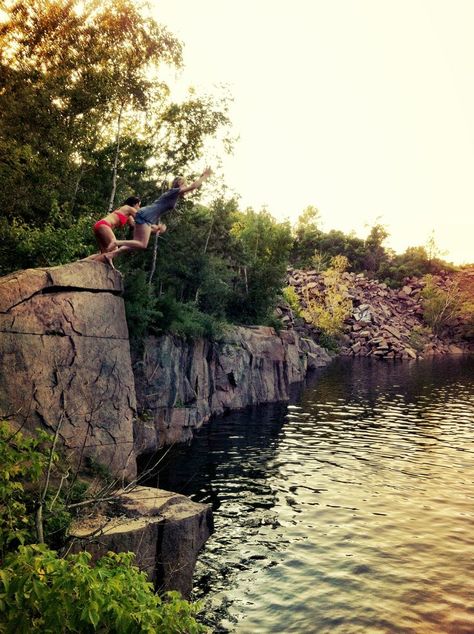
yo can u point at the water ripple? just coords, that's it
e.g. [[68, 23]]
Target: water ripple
[[348, 511]]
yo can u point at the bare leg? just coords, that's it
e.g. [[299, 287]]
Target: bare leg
[[141, 237], [105, 237]]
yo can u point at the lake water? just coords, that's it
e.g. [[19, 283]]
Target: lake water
[[349, 510]]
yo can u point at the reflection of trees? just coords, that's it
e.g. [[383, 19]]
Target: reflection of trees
[[365, 380], [417, 394]]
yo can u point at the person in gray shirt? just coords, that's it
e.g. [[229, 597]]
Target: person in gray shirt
[[147, 220]]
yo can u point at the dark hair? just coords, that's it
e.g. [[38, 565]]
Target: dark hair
[[131, 200]]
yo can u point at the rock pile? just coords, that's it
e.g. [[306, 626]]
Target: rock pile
[[384, 323]]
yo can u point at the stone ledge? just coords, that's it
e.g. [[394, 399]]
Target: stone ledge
[[165, 531]]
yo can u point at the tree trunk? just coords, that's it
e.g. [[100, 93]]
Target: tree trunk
[[153, 262], [117, 152]]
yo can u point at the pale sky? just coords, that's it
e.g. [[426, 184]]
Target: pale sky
[[362, 108]]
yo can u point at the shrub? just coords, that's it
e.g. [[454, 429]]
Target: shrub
[[141, 305], [328, 310], [40, 592], [22, 460], [440, 305], [61, 240], [186, 320], [292, 299], [30, 510], [419, 337]]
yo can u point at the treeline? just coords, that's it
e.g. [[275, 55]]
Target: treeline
[[314, 248]]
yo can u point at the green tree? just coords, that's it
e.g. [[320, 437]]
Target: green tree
[[375, 253], [67, 70], [262, 247], [85, 119], [306, 236]]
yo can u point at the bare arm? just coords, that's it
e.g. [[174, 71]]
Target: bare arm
[[197, 183]]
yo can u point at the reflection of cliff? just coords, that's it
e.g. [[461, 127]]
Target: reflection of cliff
[[65, 360]]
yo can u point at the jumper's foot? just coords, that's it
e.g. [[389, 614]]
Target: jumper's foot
[[108, 260]]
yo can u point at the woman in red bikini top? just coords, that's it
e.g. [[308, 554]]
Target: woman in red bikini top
[[104, 228]]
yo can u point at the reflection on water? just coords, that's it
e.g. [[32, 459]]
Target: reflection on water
[[349, 511]]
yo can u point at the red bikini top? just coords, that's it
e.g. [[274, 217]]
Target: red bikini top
[[122, 217]]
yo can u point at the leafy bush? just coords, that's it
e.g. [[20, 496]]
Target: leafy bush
[[24, 462], [292, 299], [328, 310], [419, 337], [186, 320], [140, 305], [62, 239], [21, 459], [40, 592]]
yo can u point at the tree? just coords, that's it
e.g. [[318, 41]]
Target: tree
[[262, 247], [375, 253], [63, 81], [306, 236], [85, 119], [328, 310]]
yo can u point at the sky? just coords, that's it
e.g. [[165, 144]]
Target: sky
[[363, 109]]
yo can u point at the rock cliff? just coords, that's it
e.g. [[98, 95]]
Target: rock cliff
[[180, 385], [65, 360], [65, 366], [65, 363]]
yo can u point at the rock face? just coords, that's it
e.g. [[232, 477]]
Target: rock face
[[180, 385], [65, 360], [164, 530]]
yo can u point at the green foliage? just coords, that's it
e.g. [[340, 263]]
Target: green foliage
[[62, 239], [69, 94], [375, 253], [328, 310], [262, 247], [440, 305], [292, 299], [23, 463], [40, 592], [21, 459], [186, 320], [313, 248], [141, 305], [214, 265]]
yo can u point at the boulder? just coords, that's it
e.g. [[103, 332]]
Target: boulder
[[165, 531]]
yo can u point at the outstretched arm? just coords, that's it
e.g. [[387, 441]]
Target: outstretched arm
[[197, 183]]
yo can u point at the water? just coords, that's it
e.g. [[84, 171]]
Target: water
[[349, 511]]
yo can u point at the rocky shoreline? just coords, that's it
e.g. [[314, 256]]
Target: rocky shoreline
[[386, 323], [65, 365]]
